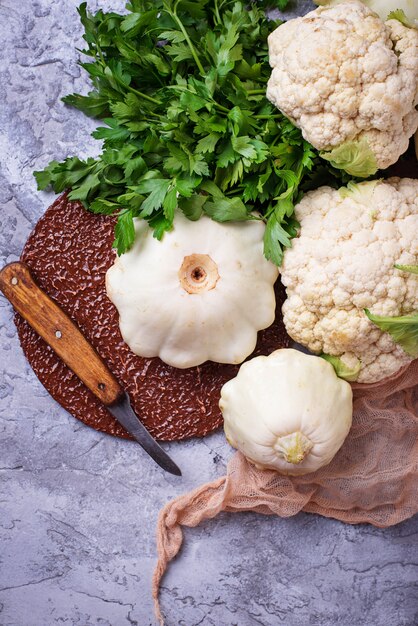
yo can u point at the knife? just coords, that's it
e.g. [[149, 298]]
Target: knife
[[65, 338]]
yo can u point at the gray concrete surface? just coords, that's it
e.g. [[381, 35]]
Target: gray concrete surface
[[77, 508]]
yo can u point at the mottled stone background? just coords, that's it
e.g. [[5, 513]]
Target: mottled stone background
[[78, 508]]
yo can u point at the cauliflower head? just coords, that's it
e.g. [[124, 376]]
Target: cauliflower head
[[383, 8], [343, 262], [349, 81]]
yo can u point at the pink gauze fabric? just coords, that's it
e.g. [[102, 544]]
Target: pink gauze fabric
[[373, 478]]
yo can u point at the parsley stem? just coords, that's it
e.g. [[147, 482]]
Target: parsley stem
[[220, 107], [216, 10], [256, 92], [267, 117], [189, 42], [139, 93]]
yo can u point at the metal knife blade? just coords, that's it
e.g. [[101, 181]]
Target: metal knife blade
[[66, 339], [298, 346], [123, 412]]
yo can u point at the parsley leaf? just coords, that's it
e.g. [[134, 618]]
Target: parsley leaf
[[179, 89], [124, 232], [226, 210]]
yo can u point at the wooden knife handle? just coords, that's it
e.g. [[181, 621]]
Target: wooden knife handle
[[59, 331]]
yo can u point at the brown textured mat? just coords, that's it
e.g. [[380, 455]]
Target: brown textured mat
[[69, 252]]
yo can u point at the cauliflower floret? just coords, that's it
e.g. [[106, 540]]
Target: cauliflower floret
[[343, 262], [350, 81]]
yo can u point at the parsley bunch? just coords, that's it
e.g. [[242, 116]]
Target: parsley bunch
[[180, 86]]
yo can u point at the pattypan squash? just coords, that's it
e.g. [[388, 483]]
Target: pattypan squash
[[288, 411], [200, 294]]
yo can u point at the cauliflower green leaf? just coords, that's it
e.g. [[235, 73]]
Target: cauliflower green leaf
[[403, 330], [342, 369], [362, 193], [355, 157], [399, 14], [412, 269]]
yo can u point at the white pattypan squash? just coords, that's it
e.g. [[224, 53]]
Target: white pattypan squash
[[200, 294], [288, 411]]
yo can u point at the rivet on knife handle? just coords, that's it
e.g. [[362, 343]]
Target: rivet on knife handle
[[57, 329]]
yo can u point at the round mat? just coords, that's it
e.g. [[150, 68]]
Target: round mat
[[69, 252]]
